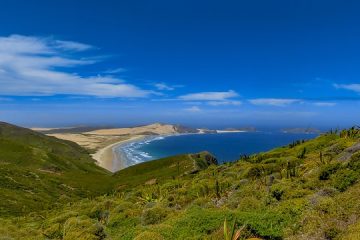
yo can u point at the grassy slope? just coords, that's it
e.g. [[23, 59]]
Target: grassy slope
[[288, 193], [38, 172], [160, 170]]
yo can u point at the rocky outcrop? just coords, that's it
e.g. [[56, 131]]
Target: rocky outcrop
[[348, 152], [202, 161]]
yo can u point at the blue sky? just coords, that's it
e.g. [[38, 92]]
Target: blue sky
[[199, 63]]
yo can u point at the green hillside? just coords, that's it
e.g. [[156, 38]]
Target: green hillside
[[162, 170], [38, 172], [306, 190]]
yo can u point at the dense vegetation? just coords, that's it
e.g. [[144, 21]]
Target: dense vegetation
[[38, 172], [306, 190]]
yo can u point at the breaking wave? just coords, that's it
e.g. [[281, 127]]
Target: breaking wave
[[131, 153]]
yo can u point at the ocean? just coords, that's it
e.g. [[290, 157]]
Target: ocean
[[225, 146]]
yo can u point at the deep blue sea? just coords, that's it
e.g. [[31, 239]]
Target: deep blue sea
[[225, 146]]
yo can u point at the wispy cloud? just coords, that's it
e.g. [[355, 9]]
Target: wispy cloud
[[163, 86], [166, 87], [209, 96], [324, 104], [224, 103], [116, 70], [33, 63], [279, 102], [74, 46], [352, 87], [193, 109]]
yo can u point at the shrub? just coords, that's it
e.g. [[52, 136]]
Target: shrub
[[202, 202], [331, 233], [302, 154], [197, 223], [255, 171], [354, 162], [153, 215], [246, 203], [277, 193], [325, 204], [83, 228], [344, 179], [328, 170], [101, 211], [122, 206], [54, 231]]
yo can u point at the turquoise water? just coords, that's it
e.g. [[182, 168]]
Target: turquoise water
[[225, 146]]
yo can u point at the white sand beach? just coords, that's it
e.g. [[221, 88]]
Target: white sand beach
[[105, 157]]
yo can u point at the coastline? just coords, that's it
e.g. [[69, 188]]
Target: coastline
[[115, 160], [106, 157]]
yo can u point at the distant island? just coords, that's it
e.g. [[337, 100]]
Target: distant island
[[301, 130], [243, 129]]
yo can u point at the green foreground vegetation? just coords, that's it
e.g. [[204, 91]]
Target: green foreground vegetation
[[40, 172], [306, 190]]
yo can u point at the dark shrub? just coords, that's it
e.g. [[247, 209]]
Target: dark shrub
[[328, 170], [344, 179], [153, 215], [354, 162], [255, 171], [331, 233], [277, 193]]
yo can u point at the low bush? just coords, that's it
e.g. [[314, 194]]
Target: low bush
[[327, 170], [277, 193], [354, 163], [344, 179], [83, 228], [153, 215]]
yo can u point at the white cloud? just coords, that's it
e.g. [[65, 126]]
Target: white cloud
[[325, 104], [193, 109], [209, 96], [29, 66], [223, 103], [23, 44], [352, 87], [274, 101], [163, 86]]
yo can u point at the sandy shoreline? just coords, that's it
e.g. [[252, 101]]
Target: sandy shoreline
[[103, 141], [105, 156]]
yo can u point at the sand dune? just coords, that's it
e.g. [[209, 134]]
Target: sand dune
[[94, 140], [155, 128], [91, 142], [40, 129]]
